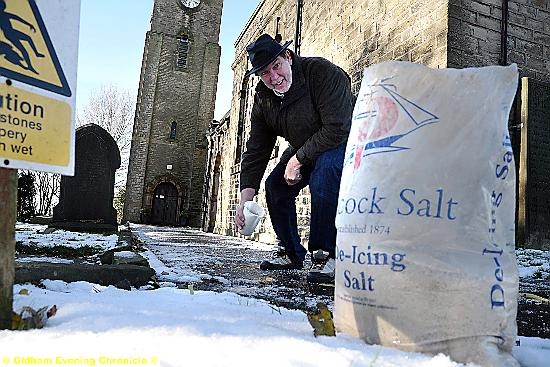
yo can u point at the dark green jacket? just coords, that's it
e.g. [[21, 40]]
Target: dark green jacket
[[314, 116]]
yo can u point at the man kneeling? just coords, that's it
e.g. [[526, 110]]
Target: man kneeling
[[307, 101]]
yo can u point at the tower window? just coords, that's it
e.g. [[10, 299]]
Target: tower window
[[173, 130], [183, 51], [278, 36]]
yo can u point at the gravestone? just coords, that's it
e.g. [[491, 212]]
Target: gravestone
[[86, 199], [534, 175]]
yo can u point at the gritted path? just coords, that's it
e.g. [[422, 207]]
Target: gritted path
[[223, 263]]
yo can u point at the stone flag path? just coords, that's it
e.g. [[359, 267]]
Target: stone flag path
[[222, 263]]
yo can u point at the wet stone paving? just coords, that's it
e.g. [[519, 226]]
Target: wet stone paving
[[222, 263]]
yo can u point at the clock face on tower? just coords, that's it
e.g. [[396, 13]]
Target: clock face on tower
[[191, 4]]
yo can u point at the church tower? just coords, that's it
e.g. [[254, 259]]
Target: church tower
[[175, 106]]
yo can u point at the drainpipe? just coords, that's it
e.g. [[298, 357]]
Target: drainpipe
[[504, 34], [298, 35]]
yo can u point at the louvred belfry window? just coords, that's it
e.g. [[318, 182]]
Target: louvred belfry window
[[183, 52], [173, 130]]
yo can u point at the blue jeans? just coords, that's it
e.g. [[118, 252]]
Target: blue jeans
[[323, 177]]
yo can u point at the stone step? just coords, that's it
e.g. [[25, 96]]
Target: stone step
[[120, 275]]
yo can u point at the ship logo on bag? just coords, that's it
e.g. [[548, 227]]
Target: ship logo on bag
[[381, 117]]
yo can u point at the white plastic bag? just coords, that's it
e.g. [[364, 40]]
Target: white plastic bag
[[425, 255]]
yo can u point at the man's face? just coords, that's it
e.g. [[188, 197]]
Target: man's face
[[278, 75]]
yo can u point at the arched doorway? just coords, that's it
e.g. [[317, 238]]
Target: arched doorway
[[165, 205]]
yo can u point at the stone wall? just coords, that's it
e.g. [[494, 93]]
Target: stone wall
[[142, 129], [355, 34], [476, 30]]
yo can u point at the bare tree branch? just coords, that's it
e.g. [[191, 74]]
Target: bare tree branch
[[112, 109], [47, 191]]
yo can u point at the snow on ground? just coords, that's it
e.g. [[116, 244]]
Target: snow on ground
[[172, 327], [148, 233], [46, 259], [33, 234], [533, 263], [106, 326]]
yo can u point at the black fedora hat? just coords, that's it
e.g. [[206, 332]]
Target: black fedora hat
[[263, 51]]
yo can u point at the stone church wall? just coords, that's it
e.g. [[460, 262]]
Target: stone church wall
[[476, 37], [358, 33], [140, 136], [355, 34]]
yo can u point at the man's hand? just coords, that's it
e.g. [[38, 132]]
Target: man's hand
[[246, 195], [292, 171]]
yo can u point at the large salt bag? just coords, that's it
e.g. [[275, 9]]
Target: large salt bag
[[425, 255]]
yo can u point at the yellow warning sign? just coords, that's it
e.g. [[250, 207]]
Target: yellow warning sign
[[26, 51], [34, 128]]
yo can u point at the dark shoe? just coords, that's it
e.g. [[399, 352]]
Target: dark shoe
[[280, 261], [322, 268]]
